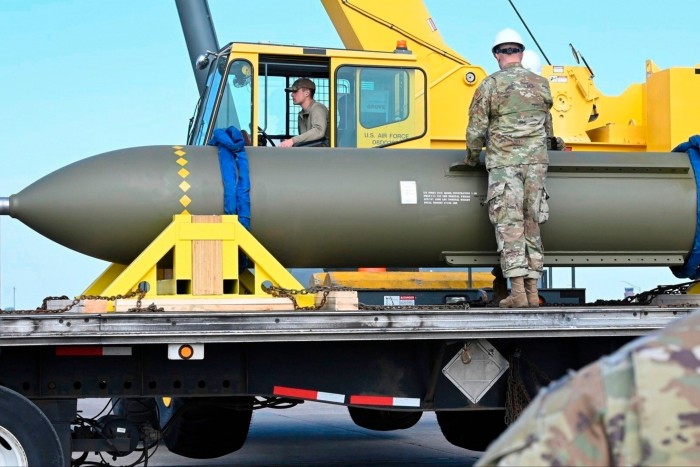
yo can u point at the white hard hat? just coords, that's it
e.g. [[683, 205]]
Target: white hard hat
[[531, 61], [507, 36]]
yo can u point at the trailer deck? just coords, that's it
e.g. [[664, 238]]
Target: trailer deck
[[284, 326]]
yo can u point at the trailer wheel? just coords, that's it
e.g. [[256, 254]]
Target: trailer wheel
[[204, 428], [471, 429], [383, 420], [27, 437]]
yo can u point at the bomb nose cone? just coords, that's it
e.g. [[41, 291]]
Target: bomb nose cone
[[112, 205], [4, 206]]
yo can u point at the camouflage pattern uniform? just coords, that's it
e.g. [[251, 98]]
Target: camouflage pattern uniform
[[509, 114], [638, 406]]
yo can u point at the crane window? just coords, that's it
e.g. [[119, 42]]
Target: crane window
[[206, 106], [379, 106], [236, 108]]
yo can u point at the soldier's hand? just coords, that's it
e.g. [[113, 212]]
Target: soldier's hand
[[555, 143], [472, 158]]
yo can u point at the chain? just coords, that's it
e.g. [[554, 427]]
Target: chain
[[642, 298], [517, 394], [645, 298], [43, 309], [292, 293]]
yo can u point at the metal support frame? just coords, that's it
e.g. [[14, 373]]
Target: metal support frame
[[179, 240]]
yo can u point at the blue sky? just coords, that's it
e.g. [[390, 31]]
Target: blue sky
[[82, 77]]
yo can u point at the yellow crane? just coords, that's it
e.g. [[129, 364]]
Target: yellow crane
[[398, 84]]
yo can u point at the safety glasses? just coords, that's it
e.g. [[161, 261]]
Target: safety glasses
[[509, 50]]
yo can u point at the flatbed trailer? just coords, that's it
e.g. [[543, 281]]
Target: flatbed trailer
[[388, 365]]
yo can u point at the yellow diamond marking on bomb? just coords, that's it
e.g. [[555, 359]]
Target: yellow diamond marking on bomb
[[182, 161], [185, 212], [183, 172], [185, 200], [184, 186], [179, 153]]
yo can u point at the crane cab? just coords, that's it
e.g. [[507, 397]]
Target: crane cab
[[375, 99]]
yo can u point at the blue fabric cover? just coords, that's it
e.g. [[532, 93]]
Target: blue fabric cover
[[233, 161], [692, 262]]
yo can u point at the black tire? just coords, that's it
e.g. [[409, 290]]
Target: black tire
[[26, 433], [383, 420], [204, 428], [471, 429]]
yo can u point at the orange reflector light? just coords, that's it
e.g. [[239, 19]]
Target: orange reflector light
[[185, 352]]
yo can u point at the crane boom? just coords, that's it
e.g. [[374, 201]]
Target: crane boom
[[372, 25], [200, 35]]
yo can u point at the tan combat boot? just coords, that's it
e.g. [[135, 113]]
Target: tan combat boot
[[517, 297], [500, 289], [533, 297]]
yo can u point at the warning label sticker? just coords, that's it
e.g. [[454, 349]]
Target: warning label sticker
[[400, 300], [409, 192]]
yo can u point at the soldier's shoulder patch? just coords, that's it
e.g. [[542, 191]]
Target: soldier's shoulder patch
[[479, 93]]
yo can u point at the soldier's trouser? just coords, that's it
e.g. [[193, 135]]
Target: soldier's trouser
[[517, 204]]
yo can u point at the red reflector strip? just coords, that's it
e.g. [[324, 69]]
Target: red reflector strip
[[312, 395], [386, 401], [91, 351], [308, 394], [79, 351], [292, 392], [371, 400]]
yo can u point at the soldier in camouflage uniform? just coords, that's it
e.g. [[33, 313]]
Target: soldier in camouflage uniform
[[638, 406], [509, 114]]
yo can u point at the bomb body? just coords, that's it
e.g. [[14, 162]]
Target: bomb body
[[337, 207]]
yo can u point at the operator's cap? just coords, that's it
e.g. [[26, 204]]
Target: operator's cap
[[301, 83]]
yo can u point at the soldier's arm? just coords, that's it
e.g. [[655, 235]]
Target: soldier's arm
[[477, 128], [563, 425], [548, 125]]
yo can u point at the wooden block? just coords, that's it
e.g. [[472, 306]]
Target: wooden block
[[189, 304], [95, 306], [338, 300], [207, 266]]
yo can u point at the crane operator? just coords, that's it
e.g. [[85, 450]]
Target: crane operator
[[312, 119]]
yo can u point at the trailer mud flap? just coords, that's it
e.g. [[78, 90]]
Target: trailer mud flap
[[475, 368]]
